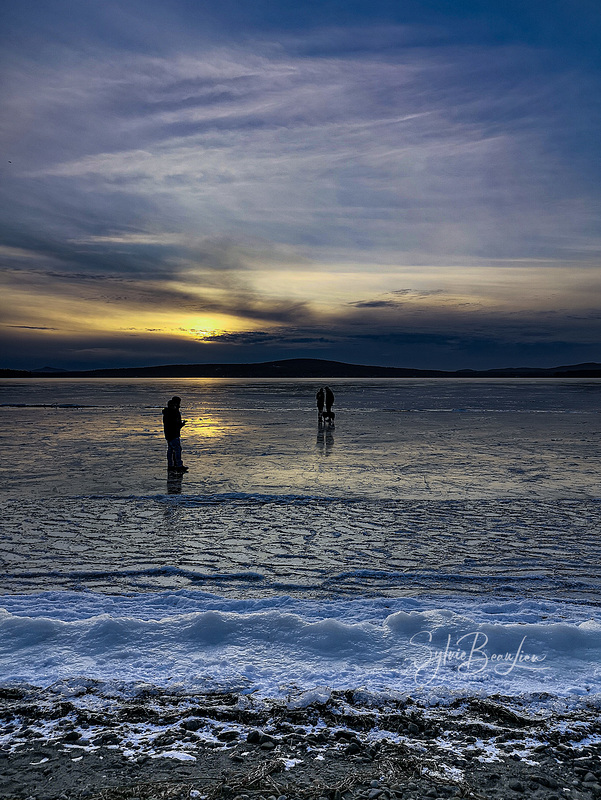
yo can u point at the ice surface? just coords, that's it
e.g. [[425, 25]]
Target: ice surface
[[394, 439], [269, 545], [442, 541]]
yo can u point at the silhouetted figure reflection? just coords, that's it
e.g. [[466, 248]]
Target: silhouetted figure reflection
[[329, 441], [174, 482], [325, 439]]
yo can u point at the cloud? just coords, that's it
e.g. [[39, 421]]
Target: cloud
[[376, 304], [131, 297], [438, 151], [399, 298], [32, 327], [417, 292], [276, 190]]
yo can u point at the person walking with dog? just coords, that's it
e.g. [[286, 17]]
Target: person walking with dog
[[329, 396], [172, 425]]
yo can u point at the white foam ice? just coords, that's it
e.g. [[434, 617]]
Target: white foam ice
[[303, 648]]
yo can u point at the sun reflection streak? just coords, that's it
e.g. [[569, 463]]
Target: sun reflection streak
[[207, 426]]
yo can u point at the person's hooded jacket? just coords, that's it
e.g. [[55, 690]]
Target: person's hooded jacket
[[172, 422]]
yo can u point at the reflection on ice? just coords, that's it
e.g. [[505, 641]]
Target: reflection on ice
[[174, 482], [325, 440], [510, 438], [211, 426]]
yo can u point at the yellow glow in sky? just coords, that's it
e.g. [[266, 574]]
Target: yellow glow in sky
[[348, 294]]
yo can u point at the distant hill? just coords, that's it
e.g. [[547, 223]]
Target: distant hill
[[306, 368]]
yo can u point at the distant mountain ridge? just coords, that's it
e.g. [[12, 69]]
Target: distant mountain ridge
[[305, 368]]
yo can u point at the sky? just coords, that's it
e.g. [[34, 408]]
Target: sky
[[412, 184]]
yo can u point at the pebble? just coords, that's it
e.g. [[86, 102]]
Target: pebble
[[498, 782], [227, 736], [192, 724], [544, 780], [348, 735]]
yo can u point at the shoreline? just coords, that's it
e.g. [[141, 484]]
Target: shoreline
[[303, 368], [162, 744]]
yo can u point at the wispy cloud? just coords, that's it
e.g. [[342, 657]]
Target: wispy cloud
[[301, 149], [297, 184]]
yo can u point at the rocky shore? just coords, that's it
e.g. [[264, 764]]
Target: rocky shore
[[70, 742]]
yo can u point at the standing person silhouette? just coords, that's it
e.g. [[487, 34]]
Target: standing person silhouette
[[329, 399], [172, 425], [320, 398]]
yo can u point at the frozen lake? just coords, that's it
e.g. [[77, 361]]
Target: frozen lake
[[394, 439], [435, 511]]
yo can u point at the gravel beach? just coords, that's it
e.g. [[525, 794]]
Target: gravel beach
[[83, 744]]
